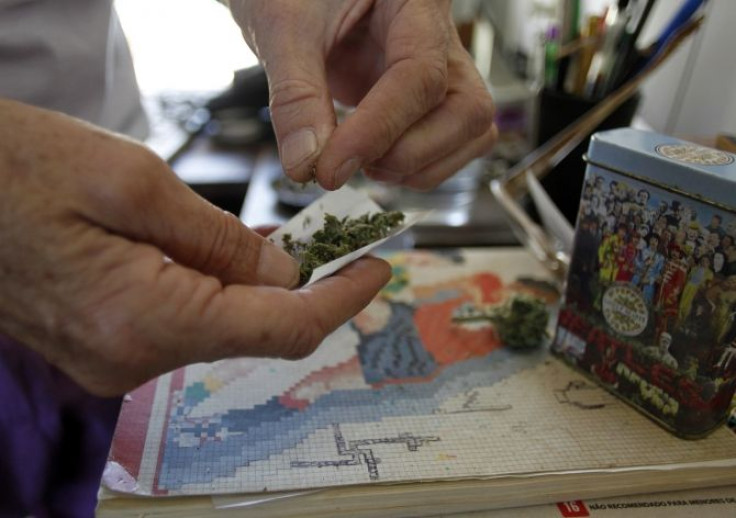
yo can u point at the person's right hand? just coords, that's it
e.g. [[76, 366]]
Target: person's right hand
[[116, 272], [422, 110]]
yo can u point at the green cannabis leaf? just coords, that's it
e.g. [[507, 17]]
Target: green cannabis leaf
[[339, 237]]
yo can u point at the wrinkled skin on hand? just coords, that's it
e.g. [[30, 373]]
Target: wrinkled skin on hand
[[422, 110], [116, 271]]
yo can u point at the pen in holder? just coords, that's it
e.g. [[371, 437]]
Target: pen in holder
[[558, 110]]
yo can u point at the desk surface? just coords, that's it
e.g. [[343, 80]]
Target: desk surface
[[219, 174], [403, 394], [476, 221]]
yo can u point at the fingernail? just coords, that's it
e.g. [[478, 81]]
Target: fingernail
[[298, 147], [346, 170], [276, 267]]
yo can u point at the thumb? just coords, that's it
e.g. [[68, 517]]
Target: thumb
[[302, 113]]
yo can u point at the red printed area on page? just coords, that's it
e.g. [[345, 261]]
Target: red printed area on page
[[573, 509]]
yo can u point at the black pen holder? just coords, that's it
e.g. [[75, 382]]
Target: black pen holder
[[556, 112]]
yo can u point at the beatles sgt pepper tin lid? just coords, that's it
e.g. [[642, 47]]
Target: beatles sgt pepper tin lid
[[650, 303]]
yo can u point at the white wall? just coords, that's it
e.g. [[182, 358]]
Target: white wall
[[729, 115], [695, 93]]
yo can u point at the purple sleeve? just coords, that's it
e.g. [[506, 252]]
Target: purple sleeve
[[54, 436]]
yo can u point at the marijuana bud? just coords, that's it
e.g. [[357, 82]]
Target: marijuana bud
[[339, 237], [521, 322]]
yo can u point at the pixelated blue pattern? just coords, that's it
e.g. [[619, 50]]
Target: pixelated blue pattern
[[396, 352], [239, 437]]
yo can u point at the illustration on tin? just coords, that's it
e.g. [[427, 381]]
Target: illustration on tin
[[651, 299]]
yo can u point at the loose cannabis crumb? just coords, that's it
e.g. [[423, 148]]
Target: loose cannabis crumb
[[339, 237]]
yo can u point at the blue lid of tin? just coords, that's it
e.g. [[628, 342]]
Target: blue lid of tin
[[694, 170]]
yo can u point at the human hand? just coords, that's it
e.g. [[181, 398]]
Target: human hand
[[88, 222], [422, 110]]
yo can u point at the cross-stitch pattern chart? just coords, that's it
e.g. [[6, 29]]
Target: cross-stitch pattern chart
[[399, 394]]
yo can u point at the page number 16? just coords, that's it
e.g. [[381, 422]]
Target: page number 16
[[573, 509]]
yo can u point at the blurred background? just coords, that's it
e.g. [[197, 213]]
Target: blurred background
[[206, 100]]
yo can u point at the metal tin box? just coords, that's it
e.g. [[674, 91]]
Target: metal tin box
[[650, 300]]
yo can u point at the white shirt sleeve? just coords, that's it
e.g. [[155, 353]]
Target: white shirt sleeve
[[70, 56]]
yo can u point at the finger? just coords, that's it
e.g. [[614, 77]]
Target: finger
[[435, 173], [380, 175], [151, 317], [465, 115], [302, 111], [414, 82], [150, 204], [244, 324]]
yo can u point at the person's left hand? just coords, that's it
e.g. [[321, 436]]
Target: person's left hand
[[115, 271], [422, 109]]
